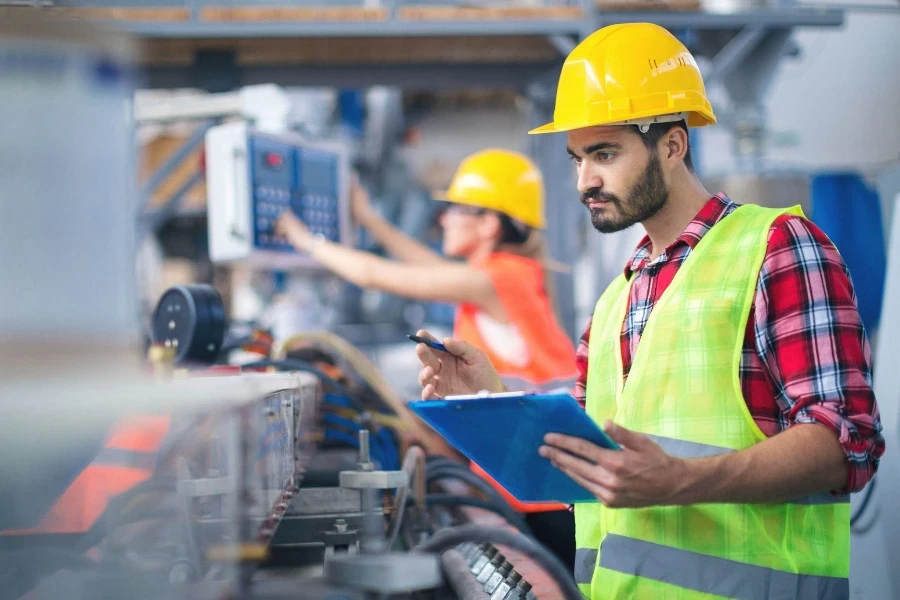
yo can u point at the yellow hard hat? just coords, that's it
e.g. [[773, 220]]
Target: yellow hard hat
[[501, 180], [629, 74]]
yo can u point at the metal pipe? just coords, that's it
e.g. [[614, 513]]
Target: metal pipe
[[414, 466], [861, 8], [364, 454], [511, 516]]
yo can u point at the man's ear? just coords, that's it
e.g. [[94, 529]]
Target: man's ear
[[673, 146]]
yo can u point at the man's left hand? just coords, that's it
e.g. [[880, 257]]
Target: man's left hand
[[641, 474]]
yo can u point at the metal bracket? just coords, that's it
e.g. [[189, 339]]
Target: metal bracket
[[217, 486], [374, 480], [389, 573]]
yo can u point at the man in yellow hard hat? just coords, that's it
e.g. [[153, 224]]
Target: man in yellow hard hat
[[728, 361]]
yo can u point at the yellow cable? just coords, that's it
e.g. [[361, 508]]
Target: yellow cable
[[415, 429]]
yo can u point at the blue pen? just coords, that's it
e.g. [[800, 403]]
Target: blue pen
[[429, 343]]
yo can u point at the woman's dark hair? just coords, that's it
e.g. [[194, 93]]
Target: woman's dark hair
[[512, 232]]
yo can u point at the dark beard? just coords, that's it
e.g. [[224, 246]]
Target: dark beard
[[647, 198]]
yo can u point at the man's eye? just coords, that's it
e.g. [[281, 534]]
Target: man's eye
[[575, 159], [605, 156]]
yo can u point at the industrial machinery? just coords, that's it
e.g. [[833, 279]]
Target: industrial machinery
[[296, 476], [252, 177]]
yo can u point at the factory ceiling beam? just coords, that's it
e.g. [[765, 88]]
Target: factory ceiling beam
[[775, 16], [442, 76], [389, 28]]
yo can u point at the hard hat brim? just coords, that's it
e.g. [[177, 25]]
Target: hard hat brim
[[443, 196], [548, 128], [697, 117]]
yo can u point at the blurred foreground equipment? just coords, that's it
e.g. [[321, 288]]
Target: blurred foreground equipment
[[298, 475]]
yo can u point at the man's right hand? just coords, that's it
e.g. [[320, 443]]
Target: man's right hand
[[464, 369]]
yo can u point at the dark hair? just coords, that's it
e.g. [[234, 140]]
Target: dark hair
[[512, 232], [658, 130]]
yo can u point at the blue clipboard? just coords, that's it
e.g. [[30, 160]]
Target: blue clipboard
[[502, 434]]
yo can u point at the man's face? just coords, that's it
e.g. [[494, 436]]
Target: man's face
[[619, 179]]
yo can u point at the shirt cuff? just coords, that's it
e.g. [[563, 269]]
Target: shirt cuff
[[862, 452]]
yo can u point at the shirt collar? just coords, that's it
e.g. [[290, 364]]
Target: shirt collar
[[712, 212]]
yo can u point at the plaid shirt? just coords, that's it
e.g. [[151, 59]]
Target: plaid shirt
[[806, 358]]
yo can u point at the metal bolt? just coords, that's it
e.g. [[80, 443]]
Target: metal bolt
[[211, 347], [171, 324], [364, 456], [281, 506]]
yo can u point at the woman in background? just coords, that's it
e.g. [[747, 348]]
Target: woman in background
[[502, 291]]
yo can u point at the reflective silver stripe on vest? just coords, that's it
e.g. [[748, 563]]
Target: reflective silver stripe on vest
[[714, 575], [683, 449], [517, 384], [585, 562], [823, 498], [120, 457]]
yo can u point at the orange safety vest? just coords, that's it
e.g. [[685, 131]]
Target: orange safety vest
[[519, 283], [128, 458]]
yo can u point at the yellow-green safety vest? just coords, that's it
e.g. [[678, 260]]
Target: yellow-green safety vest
[[684, 391]]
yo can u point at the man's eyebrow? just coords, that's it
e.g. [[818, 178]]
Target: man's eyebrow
[[602, 146]]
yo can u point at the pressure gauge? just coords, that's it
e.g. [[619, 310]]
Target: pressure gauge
[[190, 319]]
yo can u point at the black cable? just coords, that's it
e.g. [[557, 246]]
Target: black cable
[[864, 529], [514, 518], [452, 537], [862, 507], [436, 459], [442, 471]]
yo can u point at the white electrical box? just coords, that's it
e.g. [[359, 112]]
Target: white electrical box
[[252, 177]]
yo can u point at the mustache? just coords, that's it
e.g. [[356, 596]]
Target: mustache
[[595, 194]]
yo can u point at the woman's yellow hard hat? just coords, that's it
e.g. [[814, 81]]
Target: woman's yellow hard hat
[[629, 74], [501, 180]]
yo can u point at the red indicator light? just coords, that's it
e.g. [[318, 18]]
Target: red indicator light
[[274, 159]]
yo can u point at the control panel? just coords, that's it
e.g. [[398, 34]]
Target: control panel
[[252, 178]]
